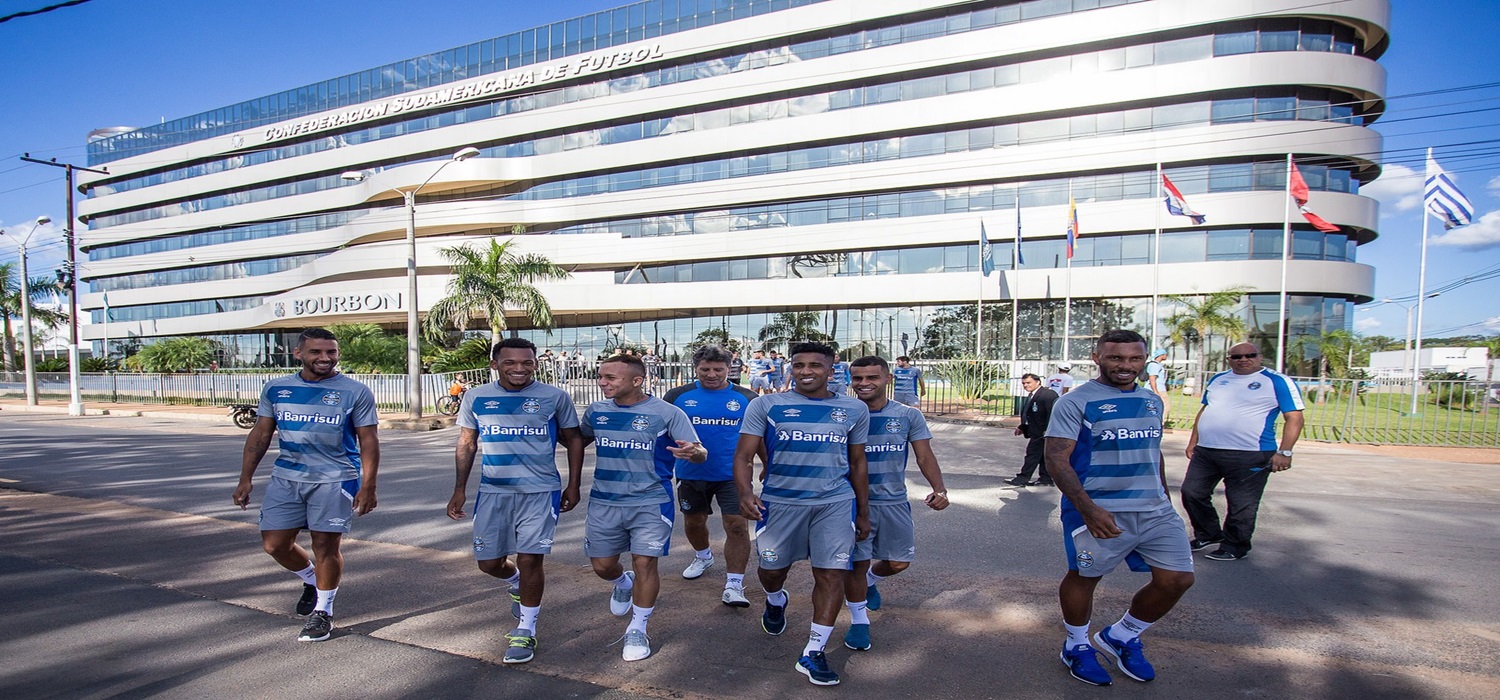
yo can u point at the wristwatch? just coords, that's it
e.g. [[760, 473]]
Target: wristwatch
[[1284, 453]]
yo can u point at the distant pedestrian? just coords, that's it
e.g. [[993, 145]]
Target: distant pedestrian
[[1036, 415], [1062, 381], [1156, 380], [736, 369], [909, 387]]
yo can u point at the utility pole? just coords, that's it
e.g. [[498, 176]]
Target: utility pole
[[69, 277]]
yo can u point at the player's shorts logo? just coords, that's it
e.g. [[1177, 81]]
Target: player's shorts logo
[[841, 557], [479, 544], [839, 415], [337, 521], [733, 405], [769, 556], [639, 424], [331, 398], [1253, 386], [544, 543], [893, 425], [685, 505], [656, 544], [1085, 559], [531, 406]]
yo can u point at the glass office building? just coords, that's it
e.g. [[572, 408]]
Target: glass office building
[[747, 167]]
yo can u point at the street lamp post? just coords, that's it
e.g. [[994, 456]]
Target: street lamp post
[[413, 344], [1410, 365], [29, 362]]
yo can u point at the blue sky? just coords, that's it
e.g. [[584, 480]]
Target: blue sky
[[136, 62]]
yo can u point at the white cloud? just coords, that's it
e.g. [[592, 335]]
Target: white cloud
[[1483, 233], [1366, 324], [1494, 186], [1398, 188]]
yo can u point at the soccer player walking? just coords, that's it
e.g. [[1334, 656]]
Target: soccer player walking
[[716, 408], [638, 440], [909, 387], [896, 430], [324, 476], [1104, 453], [816, 483], [514, 426]]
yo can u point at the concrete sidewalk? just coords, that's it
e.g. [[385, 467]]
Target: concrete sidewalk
[[185, 412]]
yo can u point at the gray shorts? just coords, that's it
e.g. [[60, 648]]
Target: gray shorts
[[293, 505], [908, 399], [510, 523], [892, 535], [759, 383], [823, 534], [639, 529], [1159, 538]]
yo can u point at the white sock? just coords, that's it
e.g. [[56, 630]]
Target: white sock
[[325, 600], [871, 578], [307, 575], [528, 618], [1128, 628], [736, 580], [514, 579], [817, 638], [639, 617], [706, 553], [859, 613], [1078, 634], [777, 598], [626, 582]]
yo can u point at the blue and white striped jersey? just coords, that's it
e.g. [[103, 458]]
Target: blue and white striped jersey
[[517, 435], [632, 465], [906, 379], [808, 441], [1118, 455], [315, 424], [892, 430]]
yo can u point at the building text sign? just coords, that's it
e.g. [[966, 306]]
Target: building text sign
[[339, 304]]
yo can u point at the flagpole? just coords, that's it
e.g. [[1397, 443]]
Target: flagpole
[[1416, 361], [1156, 261], [1068, 289], [106, 329], [1286, 245], [1015, 291], [979, 301]]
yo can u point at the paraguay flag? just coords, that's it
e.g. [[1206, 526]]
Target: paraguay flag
[[1072, 226], [1176, 204]]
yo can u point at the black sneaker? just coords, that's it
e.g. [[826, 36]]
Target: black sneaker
[[319, 626], [1225, 555], [1045, 483], [1200, 545], [309, 599], [773, 621], [1018, 481]]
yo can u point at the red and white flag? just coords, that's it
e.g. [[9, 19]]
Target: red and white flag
[[1299, 195]]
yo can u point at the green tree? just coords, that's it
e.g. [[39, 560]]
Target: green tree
[[179, 354], [488, 279], [473, 353], [790, 327], [1201, 316], [713, 336], [41, 289], [367, 348]]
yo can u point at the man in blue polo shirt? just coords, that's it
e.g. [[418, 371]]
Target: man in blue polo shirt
[[909, 387], [513, 426], [716, 408], [1104, 453], [1234, 441], [324, 476]]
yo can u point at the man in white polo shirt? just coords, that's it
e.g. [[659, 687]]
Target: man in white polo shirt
[[1234, 441]]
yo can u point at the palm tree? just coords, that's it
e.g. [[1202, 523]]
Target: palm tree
[[487, 280], [42, 289], [176, 354], [1335, 351], [792, 327], [1203, 315]]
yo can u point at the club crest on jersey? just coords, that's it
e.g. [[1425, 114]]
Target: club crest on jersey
[[1253, 386], [1152, 408], [640, 424], [284, 394], [838, 415], [732, 405], [1107, 408], [1085, 559], [331, 398], [893, 425], [769, 556], [531, 406]]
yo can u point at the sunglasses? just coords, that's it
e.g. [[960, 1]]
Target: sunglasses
[[1246, 356]]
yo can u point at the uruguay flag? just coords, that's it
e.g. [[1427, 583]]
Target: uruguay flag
[[1177, 205], [1443, 198]]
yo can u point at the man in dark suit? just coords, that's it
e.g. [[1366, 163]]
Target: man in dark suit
[[1036, 412]]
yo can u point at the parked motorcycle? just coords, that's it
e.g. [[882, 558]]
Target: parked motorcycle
[[243, 415]]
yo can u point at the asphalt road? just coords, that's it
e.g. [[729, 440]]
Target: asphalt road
[[127, 572]]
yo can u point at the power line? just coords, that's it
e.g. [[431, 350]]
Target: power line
[[43, 10]]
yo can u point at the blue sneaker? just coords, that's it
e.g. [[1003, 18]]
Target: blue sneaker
[[872, 597], [814, 665], [773, 621], [1083, 662], [858, 637], [1129, 656]]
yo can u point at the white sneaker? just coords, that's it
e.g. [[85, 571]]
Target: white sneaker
[[696, 569], [637, 645], [734, 596], [619, 598]]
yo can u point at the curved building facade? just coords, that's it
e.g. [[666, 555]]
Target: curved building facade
[[742, 166]]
